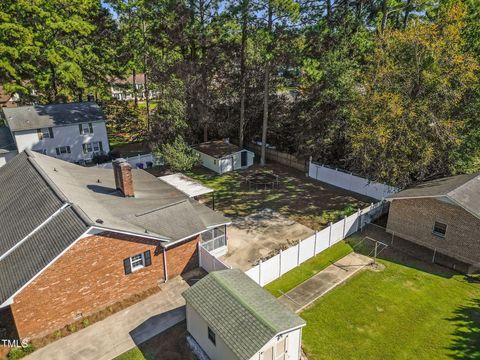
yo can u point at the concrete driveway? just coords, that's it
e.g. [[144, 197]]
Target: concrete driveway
[[255, 236], [122, 331]]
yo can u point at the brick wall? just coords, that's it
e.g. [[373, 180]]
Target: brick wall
[[90, 276], [413, 220]]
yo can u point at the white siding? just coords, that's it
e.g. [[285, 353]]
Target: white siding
[[6, 157], [198, 328], [63, 136], [227, 163]]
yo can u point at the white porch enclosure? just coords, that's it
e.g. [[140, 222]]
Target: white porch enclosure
[[271, 269], [134, 160], [209, 262], [346, 180]]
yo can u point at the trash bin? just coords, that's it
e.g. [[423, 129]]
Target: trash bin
[[139, 165], [149, 164]]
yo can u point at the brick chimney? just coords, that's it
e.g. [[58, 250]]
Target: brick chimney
[[122, 171]]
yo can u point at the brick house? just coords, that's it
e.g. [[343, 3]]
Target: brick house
[[74, 240], [442, 215]]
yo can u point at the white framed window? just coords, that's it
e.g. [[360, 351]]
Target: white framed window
[[93, 147], [61, 150], [85, 128], [281, 349], [45, 133], [137, 262]]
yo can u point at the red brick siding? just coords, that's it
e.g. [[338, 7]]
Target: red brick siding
[[89, 277], [413, 219]]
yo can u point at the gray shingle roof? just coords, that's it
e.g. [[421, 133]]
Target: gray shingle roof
[[7, 143], [158, 209], [39, 116], [463, 190], [218, 149], [47, 203], [30, 238], [239, 311]]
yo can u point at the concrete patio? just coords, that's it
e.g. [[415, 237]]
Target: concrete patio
[[122, 331]]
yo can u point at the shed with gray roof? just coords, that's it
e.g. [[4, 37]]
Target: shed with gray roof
[[231, 317]]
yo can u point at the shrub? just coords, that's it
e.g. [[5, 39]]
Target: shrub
[[178, 155], [20, 352]]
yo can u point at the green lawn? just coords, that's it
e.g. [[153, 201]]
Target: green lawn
[[309, 268], [402, 312]]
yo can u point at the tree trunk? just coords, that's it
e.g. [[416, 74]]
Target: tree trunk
[[407, 14], [54, 84], [384, 16], [242, 71], [204, 78], [134, 81], [266, 91], [145, 76], [329, 12]]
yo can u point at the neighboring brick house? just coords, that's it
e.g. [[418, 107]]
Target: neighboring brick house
[[442, 215], [74, 240]]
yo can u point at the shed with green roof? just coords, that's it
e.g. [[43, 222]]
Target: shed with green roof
[[231, 317]]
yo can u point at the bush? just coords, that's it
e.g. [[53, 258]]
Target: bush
[[178, 155], [20, 352]]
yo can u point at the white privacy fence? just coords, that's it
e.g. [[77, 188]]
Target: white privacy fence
[[134, 160], [348, 181], [208, 261], [271, 269]]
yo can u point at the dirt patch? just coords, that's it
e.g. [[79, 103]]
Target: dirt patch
[[296, 196], [259, 236]]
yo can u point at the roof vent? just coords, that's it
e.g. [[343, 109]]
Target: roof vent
[[99, 221]]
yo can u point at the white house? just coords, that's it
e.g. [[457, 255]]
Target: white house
[[122, 89], [221, 156], [232, 318], [7, 146], [73, 132]]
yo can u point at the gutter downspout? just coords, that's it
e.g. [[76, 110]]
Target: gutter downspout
[[165, 267]]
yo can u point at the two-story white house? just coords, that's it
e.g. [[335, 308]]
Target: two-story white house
[[73, 132]]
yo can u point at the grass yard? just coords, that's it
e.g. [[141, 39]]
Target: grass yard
[[169, 345], [298, 197], [309, 268], [410, 310]]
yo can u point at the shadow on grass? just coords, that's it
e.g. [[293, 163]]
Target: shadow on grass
[[401, 253], [466, 343], [171, 344]]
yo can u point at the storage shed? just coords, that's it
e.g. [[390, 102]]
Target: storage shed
[[221, 156], [232, 318]]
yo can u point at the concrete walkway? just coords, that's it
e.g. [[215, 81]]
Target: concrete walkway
[[122, 331], [307, 292]]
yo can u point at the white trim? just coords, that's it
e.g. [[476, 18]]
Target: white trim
[[196, 234], [64, 206], [142, 255], [146, 236], [11, 298]]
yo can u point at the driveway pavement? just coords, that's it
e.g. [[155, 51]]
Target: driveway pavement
[[255, 236], [122, 331], [307, 292]]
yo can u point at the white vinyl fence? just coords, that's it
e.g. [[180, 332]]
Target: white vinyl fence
[[271, 269], [134, 160], [209, 262], [348, 181]]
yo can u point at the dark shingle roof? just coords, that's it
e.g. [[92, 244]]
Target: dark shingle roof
[[18, 267], [39, 116], [218, 149], [239, 311], [30, 238], [463, 190], [7, 143]]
